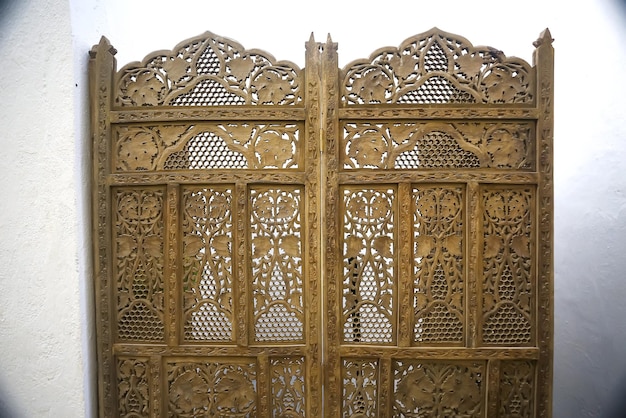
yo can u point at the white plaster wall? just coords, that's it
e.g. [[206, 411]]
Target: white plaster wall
[[41, 326], [46, 312]]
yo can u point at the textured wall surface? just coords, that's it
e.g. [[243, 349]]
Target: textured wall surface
[[46, 328], [41, 354]]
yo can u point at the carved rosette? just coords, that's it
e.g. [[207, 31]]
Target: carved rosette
[[208, 71], [437, 67]]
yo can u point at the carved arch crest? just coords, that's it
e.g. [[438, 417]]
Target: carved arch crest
[[208, 70], [437, 67]]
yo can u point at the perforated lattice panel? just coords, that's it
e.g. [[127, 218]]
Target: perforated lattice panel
[[372, 241]]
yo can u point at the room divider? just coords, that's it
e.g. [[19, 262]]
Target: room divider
[[371, 241]]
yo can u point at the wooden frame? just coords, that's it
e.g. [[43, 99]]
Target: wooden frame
[[368, 241]]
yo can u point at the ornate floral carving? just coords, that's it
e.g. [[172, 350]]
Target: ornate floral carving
[[210, 172], [437, 67], [410, 145], [360, 388], [212, 389], [208, 146], [139, 264], [517, 389], [508, 265], [438, 389], [439, 286], [208, 70], [368, 269], [207, 263], [133, 387], [277, 273], [288, 386]]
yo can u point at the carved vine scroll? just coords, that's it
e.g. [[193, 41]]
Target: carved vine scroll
[[367, 241]]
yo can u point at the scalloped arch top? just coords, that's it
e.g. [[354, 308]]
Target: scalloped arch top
[[208, 70], [434, 67], [437, 67]]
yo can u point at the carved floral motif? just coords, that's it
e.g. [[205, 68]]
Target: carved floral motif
[[288, 387], [508, 264], [207, 263], [517, 389], [276, 247], [360, 388], [368, 269], [139, 264], [436, 389], [212, 389], [437, 67], [208, 71], [439, 285], [133, 387], [208, 146], [411, 145]]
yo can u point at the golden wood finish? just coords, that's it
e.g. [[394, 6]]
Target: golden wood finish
[[368, 241]]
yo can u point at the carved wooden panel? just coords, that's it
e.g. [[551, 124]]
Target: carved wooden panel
[[372, 241]]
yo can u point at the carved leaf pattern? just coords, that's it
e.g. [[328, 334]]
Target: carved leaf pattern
[[368, 281], [133, 387], [276, 247], [208, 70], [143, 148], [405, 74], [212, 389], [517, 387], [207, 263], [438, 389], [437, 145], [288, 386], [507, 301], [439, 286], [139, 264], [360, 388]]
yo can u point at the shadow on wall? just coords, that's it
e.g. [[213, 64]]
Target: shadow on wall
[[6, 410], [616, 407]]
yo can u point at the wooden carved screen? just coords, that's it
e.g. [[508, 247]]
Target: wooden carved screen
[[368, 241]]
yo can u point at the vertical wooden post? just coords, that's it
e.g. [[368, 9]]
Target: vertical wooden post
[[543, 59], [101, 71]]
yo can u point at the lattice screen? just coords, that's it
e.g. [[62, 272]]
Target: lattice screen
[[372, 241]]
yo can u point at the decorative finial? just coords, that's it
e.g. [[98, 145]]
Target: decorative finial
[[545, 38]]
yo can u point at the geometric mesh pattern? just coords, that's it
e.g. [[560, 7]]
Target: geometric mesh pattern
[[437, 150], [205, 151]]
